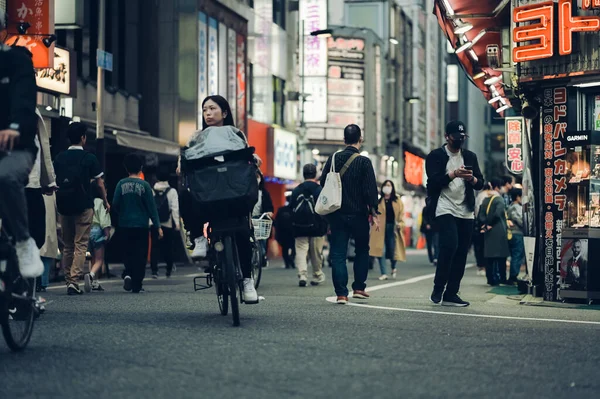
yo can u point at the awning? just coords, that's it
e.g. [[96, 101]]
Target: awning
[[147, 143], [487, 17]]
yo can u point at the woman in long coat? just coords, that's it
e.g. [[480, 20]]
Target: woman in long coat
[[387, 242]]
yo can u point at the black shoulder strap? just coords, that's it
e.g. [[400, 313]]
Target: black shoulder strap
[[348, 163]]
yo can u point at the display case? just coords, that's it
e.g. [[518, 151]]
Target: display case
[[580, 238]]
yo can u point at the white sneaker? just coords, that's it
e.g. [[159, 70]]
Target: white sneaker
[[383, 277], [250, 294], [30, 263], [394, 274], [199, 249]]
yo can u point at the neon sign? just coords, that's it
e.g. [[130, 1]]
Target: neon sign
[[543, 30]]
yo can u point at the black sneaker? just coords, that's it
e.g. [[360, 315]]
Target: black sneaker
[[140, 291], [302, 283], [436, 296], [127, 283], [73, 289], [454, 300]]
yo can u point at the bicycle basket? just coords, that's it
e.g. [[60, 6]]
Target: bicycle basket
[[262, 228]]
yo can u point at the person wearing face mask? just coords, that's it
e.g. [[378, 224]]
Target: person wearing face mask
[[388, 243], [453, 175]]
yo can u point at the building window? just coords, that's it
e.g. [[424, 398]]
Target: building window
[[279, 12], [278, 101]]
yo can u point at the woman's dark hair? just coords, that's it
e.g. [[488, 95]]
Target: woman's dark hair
[[225, 108], [393, 195], [515, 193]]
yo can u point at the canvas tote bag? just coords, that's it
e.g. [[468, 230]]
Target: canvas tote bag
[[330, 199]]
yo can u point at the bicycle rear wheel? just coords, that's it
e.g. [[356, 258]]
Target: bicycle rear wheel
[[18, 314], [222, 297], [257, 265], [231, 266]]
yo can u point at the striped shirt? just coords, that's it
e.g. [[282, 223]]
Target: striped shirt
[[359, 187]]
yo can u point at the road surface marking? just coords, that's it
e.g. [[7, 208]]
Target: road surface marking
[[413, 280]]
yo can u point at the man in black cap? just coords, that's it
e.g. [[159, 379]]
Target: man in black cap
[[18, 127], [452, 176]]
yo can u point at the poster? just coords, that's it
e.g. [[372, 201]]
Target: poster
[[202, 64], [574, 265], [554, 184]]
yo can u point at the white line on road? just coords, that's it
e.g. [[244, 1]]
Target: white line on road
[[413, 280]]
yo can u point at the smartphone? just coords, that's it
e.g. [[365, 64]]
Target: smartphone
[[469, 168]]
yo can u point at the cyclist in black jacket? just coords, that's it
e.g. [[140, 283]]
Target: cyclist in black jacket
[[18, 124]]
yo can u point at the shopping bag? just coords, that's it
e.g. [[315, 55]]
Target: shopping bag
[[330, 199]]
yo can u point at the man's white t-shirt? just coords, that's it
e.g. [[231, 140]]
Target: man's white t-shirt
[[452, 198]]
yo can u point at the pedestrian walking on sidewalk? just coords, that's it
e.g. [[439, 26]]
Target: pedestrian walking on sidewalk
[[388, 243], [75, 169], [284, 234], [453, 175], [492, 216], [517, 243], [359, 208], [100, 234], [134, 204], [309, 228], [167, 205]]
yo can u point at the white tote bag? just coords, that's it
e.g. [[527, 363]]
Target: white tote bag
[[330, 199]]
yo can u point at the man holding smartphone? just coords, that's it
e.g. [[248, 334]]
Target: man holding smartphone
[[453, 175]]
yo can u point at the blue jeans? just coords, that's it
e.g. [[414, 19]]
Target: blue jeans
[[343, 227], [48, 264], [517, 254], [389, 248]]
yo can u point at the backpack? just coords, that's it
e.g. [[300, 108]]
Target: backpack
[[72, 197], [162, 205], [305, 220]]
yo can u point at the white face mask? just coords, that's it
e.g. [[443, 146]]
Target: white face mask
[[387, 190]]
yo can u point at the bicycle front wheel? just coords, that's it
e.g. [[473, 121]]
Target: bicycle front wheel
[[232, 279], [18, 314]]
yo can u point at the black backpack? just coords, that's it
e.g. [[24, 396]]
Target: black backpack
[[72, 196], [162, 205], [306, 222]]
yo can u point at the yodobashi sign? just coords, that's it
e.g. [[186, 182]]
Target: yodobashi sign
[[60, 79], [513, 130], [285, 154], [536, 23]]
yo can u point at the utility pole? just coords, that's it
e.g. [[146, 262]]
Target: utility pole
[[100, 148]]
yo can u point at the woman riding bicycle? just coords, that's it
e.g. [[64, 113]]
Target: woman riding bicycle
[[216, 112]]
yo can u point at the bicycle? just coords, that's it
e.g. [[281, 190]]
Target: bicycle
[[17, 297], [262, 231], [225, 272]]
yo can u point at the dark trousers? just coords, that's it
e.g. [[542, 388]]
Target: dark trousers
[[244, 246], [517, 255], [343, 227], [455, 240], [191, 218], [495, 271], [288, 249], [136, 254], [36, 215], [162, 247], [433, 245], [478, 248]]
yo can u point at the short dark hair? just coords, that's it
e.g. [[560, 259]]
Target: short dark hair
[[133, 163], [496, 182], [75, 132], [163, 175], [352, 134], [309, 171], [507, 180], [515, 193]]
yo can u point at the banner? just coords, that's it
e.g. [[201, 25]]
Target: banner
[[213, 61], [202, 64], [554, 184]]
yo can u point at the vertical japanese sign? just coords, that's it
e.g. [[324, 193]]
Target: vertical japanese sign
[[513, 130], [223, 68], [39, 14], [231, 71], [213, 61], [241, 83], [378, 97], [202, 64], [554, 181]]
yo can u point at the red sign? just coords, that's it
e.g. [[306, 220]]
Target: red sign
[[413, 169], [542, 31], [39, 14], [514, 128], [589, 4]]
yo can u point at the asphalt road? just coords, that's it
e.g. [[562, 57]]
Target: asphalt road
[[171, 342]]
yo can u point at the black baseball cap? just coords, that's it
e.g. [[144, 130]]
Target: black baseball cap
[[456, 128]]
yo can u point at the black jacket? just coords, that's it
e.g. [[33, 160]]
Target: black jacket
[[359, 187], [319, 228], [18, 93], [438, 179]]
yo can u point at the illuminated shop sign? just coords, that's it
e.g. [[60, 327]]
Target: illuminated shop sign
[[514, 128], [538, 23]]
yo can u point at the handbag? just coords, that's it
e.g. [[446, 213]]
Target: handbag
[[509, 234], [330, 199]]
